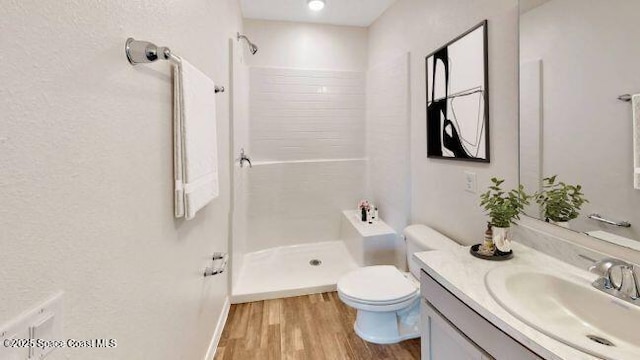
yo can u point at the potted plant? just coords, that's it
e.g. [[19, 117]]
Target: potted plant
[[503, 207], [559, 202]]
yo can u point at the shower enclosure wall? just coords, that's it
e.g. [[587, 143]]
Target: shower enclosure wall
[[307, 145]]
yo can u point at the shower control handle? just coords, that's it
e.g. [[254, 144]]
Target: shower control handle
[[243, 157]]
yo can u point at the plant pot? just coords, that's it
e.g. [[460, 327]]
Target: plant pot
[[564, 224], [502, 238]]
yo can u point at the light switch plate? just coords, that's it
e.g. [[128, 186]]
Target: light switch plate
[[470, 182], [43, 320]]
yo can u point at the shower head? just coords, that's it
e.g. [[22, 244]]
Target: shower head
[[252, 47]]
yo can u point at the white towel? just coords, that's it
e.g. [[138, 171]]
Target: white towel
[[177, 142], [195, 137], [635, 101]]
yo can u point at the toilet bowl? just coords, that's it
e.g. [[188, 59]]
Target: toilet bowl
[[387, 300]]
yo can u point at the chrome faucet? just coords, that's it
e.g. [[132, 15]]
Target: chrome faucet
[[627, 287], [604, 267], [243, 157]]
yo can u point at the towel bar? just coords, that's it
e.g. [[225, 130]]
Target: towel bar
[[597, 217], [142, 52]]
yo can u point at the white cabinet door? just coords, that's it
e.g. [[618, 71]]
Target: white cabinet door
[[442, 341]]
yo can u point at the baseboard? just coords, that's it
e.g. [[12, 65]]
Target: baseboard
[[219, 328]]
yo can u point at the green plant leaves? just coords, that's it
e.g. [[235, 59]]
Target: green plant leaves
[[560, 201], [502, 206]]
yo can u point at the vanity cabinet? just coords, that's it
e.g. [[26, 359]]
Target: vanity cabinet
[[452, 330], [442, 340]]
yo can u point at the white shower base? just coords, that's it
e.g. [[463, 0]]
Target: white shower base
[[285, 271]]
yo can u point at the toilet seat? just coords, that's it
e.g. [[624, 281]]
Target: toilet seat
[[381, 286], [379, 308], [381, 303]]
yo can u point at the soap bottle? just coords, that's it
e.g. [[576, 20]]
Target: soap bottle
[[488, 247], [364, 214]]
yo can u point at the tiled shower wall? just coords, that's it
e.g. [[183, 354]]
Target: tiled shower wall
[[308, 146]]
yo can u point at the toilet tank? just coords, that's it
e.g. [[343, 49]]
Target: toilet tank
[[423, 238]]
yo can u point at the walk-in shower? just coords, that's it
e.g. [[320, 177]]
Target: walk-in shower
[[316, 149], [305, 133]]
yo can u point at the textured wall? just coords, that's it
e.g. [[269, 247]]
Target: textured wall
[[438, 198], [86, 173]]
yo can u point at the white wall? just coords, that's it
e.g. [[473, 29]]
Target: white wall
[[420, 27], [388, 170], [239, 92], [307, 46], [86, 173], [301, 202]]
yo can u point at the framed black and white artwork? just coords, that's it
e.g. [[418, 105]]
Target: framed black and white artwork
[[458, 98]]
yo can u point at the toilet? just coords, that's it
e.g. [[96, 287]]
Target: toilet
[[387, 300]]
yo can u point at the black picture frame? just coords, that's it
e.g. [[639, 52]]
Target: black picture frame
[[444, 137]]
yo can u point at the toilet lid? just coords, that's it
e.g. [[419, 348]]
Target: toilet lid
[[376, 284]]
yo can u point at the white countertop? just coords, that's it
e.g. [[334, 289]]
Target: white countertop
[[464, 276]]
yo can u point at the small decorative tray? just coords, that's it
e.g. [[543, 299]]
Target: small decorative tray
[[499, 256]]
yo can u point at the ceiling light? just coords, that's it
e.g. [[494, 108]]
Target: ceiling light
[[316, 5]]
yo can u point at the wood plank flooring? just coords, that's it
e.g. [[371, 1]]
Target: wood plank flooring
[[310, 327]]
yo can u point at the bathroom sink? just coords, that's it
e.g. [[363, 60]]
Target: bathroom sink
[[567, 308]]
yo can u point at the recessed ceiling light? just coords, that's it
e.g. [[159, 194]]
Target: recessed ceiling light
[[316, 5]]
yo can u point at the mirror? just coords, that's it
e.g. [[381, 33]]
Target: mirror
[[577, 57]]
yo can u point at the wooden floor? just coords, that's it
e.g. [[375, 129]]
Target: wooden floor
[[311, 327]]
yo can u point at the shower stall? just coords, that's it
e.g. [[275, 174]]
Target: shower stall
[[304, 132], [304, 136]]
